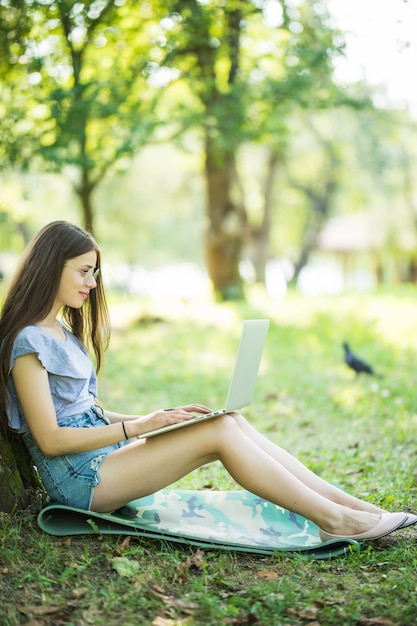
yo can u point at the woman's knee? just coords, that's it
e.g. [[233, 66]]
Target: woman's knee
[[212, 434], [228, 422], [232, 420], [238, 418], [215, 429]]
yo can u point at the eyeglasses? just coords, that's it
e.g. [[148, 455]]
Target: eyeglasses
[[93, 272]]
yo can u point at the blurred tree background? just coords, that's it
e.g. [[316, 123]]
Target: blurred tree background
[[202, 131]]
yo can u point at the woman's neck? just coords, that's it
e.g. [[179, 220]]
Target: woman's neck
[[50, 321], [53, 328]]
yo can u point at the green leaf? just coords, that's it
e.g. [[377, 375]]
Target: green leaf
[[125, 567]]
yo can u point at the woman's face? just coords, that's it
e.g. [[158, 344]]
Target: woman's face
[[77, 280]]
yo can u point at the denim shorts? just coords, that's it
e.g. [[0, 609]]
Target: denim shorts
[[72, 478]]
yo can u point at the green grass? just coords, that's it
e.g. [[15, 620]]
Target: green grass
[[359, 432]]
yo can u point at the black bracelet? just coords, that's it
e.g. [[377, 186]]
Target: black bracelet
[[124, 430]]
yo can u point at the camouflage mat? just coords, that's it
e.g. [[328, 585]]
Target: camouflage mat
[[223, 520]]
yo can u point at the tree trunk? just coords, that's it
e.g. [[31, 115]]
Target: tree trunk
[[226, 217], [320, 202], [87, 209], [259, 245], [308, 244], [226, 228], [84, 191], [19, 483]]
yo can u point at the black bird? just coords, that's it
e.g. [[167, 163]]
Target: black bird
[[355, 363]]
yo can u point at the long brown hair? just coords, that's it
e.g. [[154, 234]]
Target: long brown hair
[[34, 288]]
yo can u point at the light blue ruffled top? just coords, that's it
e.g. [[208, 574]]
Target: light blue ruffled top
[[71, 374]]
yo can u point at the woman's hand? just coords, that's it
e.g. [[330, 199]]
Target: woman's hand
[[163, 417]]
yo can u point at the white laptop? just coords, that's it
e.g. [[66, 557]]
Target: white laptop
[[243, 380]]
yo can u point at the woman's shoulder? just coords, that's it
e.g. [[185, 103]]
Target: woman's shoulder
[[30, 339], [38, 337], [57, 356], [28, 334]]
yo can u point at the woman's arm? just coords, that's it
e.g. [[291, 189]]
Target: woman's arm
[[123, 417], [135, 425], [118, 417], [32, 387]]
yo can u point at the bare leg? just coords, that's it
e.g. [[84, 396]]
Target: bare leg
[[149, 465], [299, 470]]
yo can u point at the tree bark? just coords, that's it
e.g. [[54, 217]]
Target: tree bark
[[18, 480], [226, 228]]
